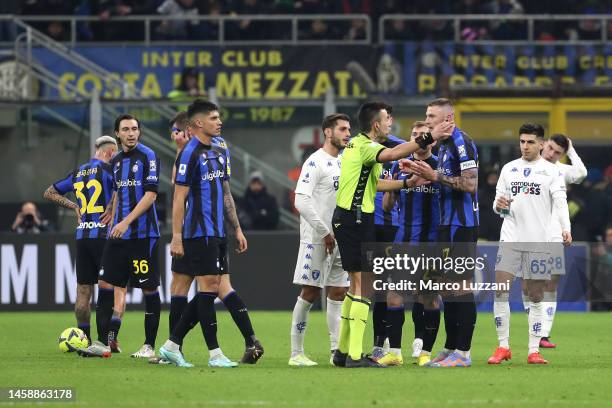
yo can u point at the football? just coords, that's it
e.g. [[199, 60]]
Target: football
[[71, 339]]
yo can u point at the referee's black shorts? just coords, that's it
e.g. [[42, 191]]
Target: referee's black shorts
[[89, 260], [203, 256], [352, 238], [133, 261], [458, 242]]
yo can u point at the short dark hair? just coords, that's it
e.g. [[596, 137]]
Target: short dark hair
[[200, 106], [180, 119], [125, 116], [440, 102], [532, 129], [368, 112], [418, 123], [561, 140], [330, 121]]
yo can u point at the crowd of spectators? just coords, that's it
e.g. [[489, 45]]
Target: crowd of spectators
[[107, 28]]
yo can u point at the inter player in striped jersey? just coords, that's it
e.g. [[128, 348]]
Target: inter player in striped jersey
[[387, 312], [92, 185], [130, 255], [198, 231], [181, 276], [554, 148], [419, 218], [529, 192], [457, 174], [318, 263]]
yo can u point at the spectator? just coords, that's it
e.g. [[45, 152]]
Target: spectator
[[106, 30], [189, 86], [260, 206], [357, 30], [29, 220], [506, 30], [247, 29], [58, 30], [318, 31], [398, 30], [178, 29], [601, 289]]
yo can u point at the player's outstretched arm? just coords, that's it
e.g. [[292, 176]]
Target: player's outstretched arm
[[51, 194], [394, 185], [229, 207], [440, 132]]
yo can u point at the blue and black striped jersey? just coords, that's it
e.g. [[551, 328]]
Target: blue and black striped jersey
[[203, 168], [135, 173], [419, 210], [92, 184], [382, 217], [456, 154]]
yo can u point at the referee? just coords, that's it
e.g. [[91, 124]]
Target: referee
[[353, 219]]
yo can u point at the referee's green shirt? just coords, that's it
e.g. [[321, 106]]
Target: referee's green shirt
[[359, 173]]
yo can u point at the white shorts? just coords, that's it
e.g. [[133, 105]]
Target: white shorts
[[557, 258], [315, 267], [523, 264]]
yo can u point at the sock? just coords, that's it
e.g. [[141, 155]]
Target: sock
[[450, 325], [550, 308], [535, 326], [418, 318], [358, 319], [86, 329], [152, 314], [104, 311], [188, 320], [177, 305], [240, 314], [379, 324], [501, 314], [299, 320], [525, 302], [466, 321], [345, 327], [431, 324], [208, 318], [334, 308], [395, 321], [113, 328]]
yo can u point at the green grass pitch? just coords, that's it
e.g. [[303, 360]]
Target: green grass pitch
[[579, 375]]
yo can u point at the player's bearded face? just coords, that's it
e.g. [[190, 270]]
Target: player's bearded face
[[128, 133], [341, 134]]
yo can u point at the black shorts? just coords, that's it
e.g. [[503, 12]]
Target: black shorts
[[133, 261], [352, 237], [89, 260], [203, 256], [461, 244], [385, 233]]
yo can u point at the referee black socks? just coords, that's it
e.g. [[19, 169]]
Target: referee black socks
[[240, 314], [152, 313]]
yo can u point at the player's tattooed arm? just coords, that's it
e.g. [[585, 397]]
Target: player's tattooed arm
[[230, 206], [51, 194], [466, 182]]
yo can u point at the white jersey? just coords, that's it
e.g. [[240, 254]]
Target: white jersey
[[532, 186], [319, 181], [572, 174]]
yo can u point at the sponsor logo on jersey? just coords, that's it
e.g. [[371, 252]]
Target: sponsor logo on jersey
[[128, 183], [514, 170], [423, 189], [90, 225], [525, 188], [210, 176], [306, 266], [312, 164], [151, 178]]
